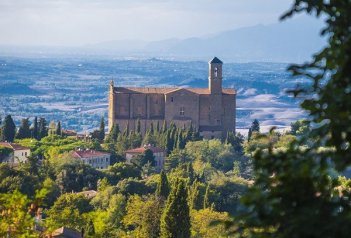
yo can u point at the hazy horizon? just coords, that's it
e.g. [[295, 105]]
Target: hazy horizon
[[63, 23]]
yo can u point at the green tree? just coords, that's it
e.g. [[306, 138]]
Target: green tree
[[113, 134], [42, 128], [68, 211], [205, 223], [236, 141], [35, 129], [58, 129], [255, 126], [162, 189], [295, 190], [195, 196], [207, 198], [138, 126], [149, 157], [174, 159], [175, 220], [89, 230], [164, 126], [24, 129], [8, 129], [300, 127], [14, 219], [143, 216], [102, 129]]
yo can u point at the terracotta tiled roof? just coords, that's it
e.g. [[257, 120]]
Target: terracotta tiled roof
[[147, 90], [13, 146], [142, 150], [88, 153]]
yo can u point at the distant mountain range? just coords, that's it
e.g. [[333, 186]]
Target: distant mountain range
[[291, 41]]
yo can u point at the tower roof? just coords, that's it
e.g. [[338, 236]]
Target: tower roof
[[215, 60]]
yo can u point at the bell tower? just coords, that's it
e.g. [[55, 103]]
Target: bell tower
[[215, 76], [111, 106]]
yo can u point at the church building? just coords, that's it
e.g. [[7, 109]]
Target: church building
[[210, 110]]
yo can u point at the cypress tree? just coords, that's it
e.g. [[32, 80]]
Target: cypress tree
[[35, 130], [152, 128], [113, 135], [148, 138], [164, 126], [126, 131], [58, 129], [176, 141], [249, 134], [175, 220], [195, 201], [255, 126], [206, 198], [102, 129], [158, 127], [162, 189], [42, 128], [24, 130], [138, 126], [89, 229], [8, 129], [190, 172]]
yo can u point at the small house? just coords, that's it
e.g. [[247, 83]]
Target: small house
[[159, 154], [96, 159]]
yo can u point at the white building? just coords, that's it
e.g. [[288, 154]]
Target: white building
[[96, 159], [20, 153], [159, 154]]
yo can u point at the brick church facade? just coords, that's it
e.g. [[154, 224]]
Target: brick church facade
[[210, 110]]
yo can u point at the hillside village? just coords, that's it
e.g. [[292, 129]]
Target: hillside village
[[59, 170]]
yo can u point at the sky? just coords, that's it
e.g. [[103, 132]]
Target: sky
[[82, 22]]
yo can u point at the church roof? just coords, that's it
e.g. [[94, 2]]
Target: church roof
[[200, 91], [215, 60]]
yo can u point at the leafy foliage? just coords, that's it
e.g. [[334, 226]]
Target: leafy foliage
[[295, 190], [8, 130], [176, 213]]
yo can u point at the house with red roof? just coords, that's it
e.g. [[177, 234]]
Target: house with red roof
[[159, 154], [18, 154], [96, 159]]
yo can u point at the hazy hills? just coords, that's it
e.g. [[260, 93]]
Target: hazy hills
[[291, 41]]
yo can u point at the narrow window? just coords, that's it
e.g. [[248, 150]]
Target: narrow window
[[172, 99], [182, 111], [215, 72]]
